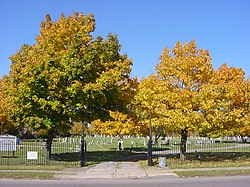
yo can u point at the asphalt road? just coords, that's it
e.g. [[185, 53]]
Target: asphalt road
[[231, 181]]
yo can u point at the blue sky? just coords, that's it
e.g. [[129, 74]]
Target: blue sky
[[144, 27]]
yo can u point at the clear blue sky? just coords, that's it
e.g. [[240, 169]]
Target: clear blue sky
[[144, 27]]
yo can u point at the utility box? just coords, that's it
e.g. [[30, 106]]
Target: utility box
[[162, 162], [8, 142]]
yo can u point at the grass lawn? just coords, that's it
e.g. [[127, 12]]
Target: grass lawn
[[27, 175], [212, 173], [211, 160], [44, 168], [29, 172]]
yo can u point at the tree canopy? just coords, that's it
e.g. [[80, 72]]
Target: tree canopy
[[187, 94], [224, 102], [5, 122], [171, 94], [68, 75]]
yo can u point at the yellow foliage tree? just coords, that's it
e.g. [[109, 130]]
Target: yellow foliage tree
[[224, 103], [120, 124], [5, 105], [187, 94], [171, 94]]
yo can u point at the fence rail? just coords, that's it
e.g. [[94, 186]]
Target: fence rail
[[66, 151], [217, 147], [202, 152], [35, 153]]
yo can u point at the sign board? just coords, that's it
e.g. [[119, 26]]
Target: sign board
[[8, 142], [32, 155]]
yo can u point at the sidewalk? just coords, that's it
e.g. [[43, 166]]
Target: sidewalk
[[128, 170], [114, 170], [121, 170]]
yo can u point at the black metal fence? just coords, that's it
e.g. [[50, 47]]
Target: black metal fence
[[202, 151], [67, 150], [165, 149], [35, 153]]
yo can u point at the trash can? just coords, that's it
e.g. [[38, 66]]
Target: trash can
[[162, 162]]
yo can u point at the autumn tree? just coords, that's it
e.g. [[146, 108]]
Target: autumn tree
[[5, 122], [244, 130], [146, 105], [187, 94], [119, 124], [67, 74], [224, 103], [171, 94]]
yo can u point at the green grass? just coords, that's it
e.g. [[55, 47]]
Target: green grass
[[207, 160], [27, 175], [27, 172], [212, 164], [212, 173], [48, 168]]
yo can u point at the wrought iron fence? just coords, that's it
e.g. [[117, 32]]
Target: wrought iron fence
[[198, 150], [66, 151], [165, 149], [34, 152]]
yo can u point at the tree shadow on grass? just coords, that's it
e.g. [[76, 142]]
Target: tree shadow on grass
[[138, 154], [66, 157], [217, 156], [100, 156], [114, 155]]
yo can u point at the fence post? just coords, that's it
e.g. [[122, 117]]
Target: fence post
[[150, 161], [83, 145]]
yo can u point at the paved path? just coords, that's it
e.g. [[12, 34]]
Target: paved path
[[115, 170]]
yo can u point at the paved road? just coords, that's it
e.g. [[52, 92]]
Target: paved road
[[231, 181]]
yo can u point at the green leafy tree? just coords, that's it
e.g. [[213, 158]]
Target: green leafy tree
[[68, 75]]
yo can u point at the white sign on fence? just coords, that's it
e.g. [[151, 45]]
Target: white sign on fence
[[7, 143], [32, 155]]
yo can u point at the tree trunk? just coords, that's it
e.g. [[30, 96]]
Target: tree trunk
[[183, 145], [49, 143]]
